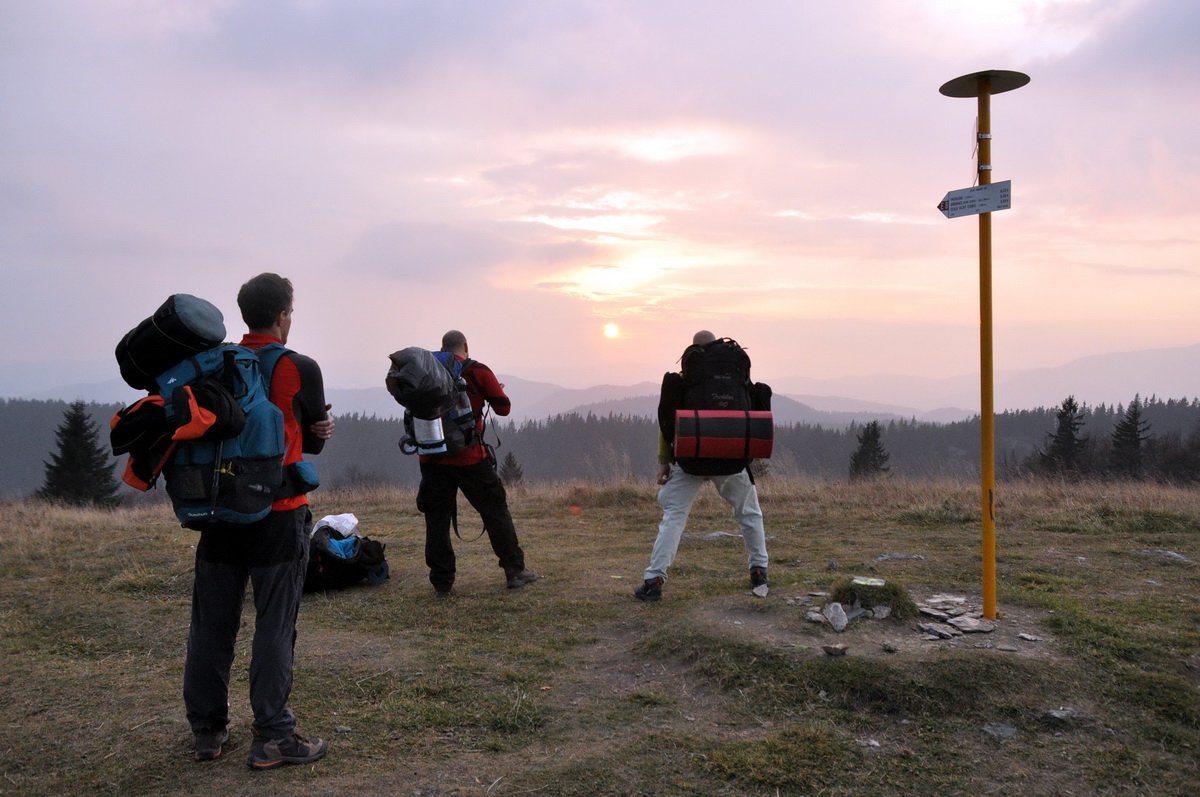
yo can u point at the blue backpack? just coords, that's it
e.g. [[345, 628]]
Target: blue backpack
[[227, 462]]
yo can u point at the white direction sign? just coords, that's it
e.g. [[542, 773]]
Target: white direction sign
[[980, 199]]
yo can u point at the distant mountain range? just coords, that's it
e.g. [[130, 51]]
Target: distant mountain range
[[1100, 379]]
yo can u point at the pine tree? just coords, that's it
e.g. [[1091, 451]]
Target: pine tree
[[870, 459], [80, 471], [1127, 438], [511, 472], [1064, 453]]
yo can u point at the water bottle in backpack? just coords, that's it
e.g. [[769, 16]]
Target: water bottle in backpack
[[426, 437], [463, 414]]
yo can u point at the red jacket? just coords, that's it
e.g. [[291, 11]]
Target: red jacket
[[482, 386]]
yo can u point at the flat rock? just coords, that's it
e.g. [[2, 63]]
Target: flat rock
[[936, 614], [939, 630], [1063, 716], [944, 598], [717, 535], [760, 591], [970, 625], [1165, 554], [854, 612], [895, 555], [835, 650], [1000, 730]]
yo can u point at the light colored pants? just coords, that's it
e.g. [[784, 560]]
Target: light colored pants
[[676, 498]]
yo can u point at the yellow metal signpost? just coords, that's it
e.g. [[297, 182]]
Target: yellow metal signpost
[[986, 198]]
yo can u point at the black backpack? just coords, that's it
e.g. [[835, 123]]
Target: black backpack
[[716, 376], [337, 561], [713, 376]]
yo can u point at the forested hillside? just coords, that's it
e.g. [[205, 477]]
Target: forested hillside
[[590, 447]]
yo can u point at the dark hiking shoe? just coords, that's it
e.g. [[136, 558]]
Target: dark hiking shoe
[[651, 590], [442, 594], [209, 746], [519, 578], [758, 577], [294, 749]]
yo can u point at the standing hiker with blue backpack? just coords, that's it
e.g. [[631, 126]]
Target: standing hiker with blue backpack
[[270, 553], [712, 388]]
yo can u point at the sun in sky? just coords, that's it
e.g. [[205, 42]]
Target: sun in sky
[[612, 331]]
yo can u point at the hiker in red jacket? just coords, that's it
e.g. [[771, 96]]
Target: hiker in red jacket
[[472, 470]]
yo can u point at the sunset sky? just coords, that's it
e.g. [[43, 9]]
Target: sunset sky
[[580, 186]]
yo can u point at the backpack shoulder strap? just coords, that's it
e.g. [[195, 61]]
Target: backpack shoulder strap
[[268, 358]]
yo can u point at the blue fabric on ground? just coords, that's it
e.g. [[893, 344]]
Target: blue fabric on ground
[[343, 548]]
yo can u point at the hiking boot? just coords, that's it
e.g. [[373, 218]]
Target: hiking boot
[[294, 749], [519, 578], [651, 590], [758, 577], [209, 746], [442, 594]]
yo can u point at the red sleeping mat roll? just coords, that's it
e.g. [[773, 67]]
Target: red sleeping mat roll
[[723, 434]]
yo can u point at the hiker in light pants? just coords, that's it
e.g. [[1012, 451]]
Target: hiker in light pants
[[710, 368]]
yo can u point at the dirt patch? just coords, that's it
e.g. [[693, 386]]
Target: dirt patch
[[614, 679]]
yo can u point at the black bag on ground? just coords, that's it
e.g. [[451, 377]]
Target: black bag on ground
[[337, 561]]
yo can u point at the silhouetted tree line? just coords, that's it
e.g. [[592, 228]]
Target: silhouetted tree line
[[1122, 443], [589, 447]]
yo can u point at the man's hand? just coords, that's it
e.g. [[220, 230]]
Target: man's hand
[[323, 430], [664, 473]]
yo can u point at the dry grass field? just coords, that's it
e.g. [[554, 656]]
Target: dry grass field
[[571, 687]]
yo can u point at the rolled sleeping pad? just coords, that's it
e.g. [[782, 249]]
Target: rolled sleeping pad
[[724, 434], [181, 327]]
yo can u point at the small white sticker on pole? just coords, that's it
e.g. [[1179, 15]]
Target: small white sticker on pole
[[980, 199]]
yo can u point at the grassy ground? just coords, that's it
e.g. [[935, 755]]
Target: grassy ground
[[570, 687]]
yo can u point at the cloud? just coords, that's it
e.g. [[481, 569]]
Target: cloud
[[426, 251]]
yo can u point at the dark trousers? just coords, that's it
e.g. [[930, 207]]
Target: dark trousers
[[437, 499], [271, 555]]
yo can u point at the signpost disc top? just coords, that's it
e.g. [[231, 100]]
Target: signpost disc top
[[999, 81]]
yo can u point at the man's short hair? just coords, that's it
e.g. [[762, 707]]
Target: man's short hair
[[263, 298], [453, 340], [703, 338]]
